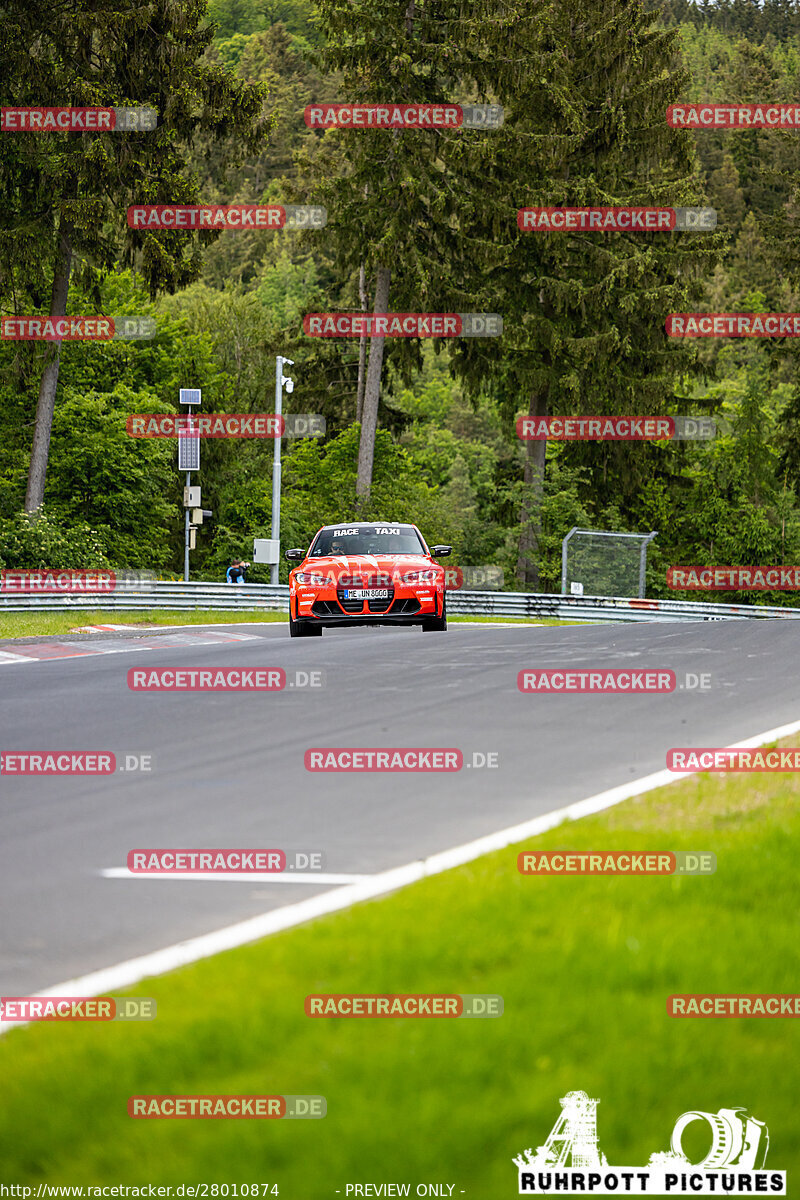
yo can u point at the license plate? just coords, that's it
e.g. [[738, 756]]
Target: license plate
[[366, 593]]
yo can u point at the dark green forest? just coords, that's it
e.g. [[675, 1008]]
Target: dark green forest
[[584, 86]]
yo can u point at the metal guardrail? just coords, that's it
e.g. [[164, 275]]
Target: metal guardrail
[[605, 608], [258, 597], [267, 597]]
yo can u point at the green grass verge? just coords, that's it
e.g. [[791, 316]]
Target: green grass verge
[[41, 624], [585, 966], [513, 620]]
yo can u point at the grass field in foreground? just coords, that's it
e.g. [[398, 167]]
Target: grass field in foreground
[[42, 624], [585, 966]]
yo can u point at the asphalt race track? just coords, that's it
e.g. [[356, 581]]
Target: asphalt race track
[[228, 768]]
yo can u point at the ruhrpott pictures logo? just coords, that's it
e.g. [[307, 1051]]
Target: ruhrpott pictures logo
[[570, 1162]]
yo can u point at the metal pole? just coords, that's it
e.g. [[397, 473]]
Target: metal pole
[[564, 560], [186, 536], [186, 525], [643, 562], [276, 467]]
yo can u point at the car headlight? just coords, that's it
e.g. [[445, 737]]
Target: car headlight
[[427, 576], [308, 578]]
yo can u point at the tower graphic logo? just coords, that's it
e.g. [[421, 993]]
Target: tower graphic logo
[[570, 1163]]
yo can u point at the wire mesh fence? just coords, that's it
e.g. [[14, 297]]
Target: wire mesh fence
[[595, 562]]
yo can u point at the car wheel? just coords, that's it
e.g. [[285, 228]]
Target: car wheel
[[303, 628], [436, 624]]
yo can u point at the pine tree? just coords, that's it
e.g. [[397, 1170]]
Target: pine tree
[[584, 91], [393, 206]]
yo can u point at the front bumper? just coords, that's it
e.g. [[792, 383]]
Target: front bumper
[[329, 606]]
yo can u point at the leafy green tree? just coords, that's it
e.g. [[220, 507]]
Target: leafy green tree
[[122, 487], [44, 543], [93, 52]]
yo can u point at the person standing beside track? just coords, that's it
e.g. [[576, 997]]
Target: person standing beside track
[[236, 571]]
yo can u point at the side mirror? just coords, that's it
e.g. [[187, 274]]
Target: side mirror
[[441, 551], [295, 555]]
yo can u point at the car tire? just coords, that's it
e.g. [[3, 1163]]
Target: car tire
[[436, 624], [303, 628]]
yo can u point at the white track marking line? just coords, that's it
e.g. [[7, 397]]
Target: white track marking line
[[286, 876], [96, 648], [105, 629], [159, 962]]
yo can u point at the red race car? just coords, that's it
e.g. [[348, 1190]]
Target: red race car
[[366, 573]]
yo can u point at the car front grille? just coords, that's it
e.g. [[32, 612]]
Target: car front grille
[[356, 606], [332, 608]]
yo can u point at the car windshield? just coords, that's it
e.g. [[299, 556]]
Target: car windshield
[[363, 539]]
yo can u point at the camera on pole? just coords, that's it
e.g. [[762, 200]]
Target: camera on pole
[[188, 461]]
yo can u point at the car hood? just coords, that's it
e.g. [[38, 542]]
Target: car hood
[[369, 564]]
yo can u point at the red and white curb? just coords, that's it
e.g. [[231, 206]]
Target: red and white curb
[[48, 651]]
